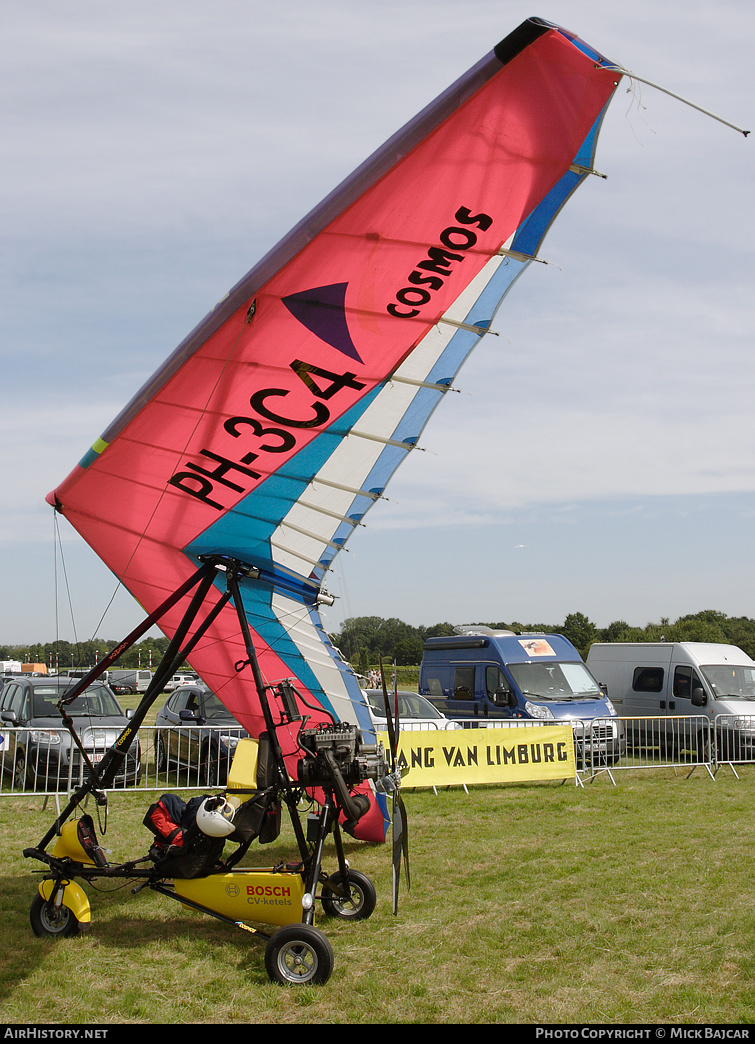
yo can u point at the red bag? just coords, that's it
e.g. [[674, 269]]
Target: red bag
[[164, 820]]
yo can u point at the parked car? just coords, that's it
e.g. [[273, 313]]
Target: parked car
[[38, 748], [414, 712], [182, 678], [196, 731]]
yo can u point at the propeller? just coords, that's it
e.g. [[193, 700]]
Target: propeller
[[399, 823]]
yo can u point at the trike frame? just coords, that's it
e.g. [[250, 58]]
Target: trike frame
[[297, 951]]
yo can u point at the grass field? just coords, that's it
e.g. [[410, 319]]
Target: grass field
[[530, 903]]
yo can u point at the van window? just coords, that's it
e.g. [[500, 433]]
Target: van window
[[495, 681], [554, 681], [435, 688], [648, 679], [730, 680], [685, 680], [463, 683], [578, 678]]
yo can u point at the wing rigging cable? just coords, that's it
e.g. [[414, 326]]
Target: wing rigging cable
[[277, 424]]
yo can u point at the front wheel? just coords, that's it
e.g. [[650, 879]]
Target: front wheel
[[49, 920], [299, 954], [359, 901]]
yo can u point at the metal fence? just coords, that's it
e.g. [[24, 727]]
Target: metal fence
[[689, 741], [651, 743], [605, 745], [42, 761]]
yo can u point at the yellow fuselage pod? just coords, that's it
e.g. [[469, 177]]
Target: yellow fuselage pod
[[266, 896], [68, 845]]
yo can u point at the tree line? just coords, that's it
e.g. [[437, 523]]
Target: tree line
[[60, 654], [363, 639]]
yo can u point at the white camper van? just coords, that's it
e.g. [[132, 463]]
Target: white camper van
[[711, 686]]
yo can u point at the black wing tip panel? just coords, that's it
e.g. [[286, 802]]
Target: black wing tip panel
[[522, 37]]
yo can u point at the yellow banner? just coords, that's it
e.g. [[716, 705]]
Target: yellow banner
[[500, 755]]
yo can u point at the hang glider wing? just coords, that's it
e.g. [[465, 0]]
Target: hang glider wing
[[275, 426]]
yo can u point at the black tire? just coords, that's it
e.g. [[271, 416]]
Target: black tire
[[21, 778], [361, 903], [51, 921], [299, 954], [217, 767], [161, 757], [703, 747]]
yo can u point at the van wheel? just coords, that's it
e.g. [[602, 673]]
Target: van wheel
[[703, 747]]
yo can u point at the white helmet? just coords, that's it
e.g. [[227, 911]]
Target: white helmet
[[215, 817]]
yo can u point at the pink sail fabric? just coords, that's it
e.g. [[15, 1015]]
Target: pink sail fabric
[[273, 428]]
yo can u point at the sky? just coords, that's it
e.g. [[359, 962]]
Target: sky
[[600, 455]]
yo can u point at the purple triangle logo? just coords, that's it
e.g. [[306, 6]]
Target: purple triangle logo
[[322, 310]]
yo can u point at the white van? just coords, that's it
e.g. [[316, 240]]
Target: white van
[[710, 685]]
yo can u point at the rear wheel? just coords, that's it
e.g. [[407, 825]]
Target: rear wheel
[[48, 919], [359, 901], [299, 954]]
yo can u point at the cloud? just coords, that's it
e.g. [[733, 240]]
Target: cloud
[[153, 153]]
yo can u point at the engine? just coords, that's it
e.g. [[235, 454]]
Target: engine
[[338, 750]]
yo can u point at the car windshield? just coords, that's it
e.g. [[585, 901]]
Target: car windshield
[[555, 681], [96, 702], [730, 681], [214, 710], [410, 705]]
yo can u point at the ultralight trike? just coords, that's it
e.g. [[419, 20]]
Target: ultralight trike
[[186, 862]]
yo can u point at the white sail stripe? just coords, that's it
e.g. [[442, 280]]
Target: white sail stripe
[[421, 361], [378, 438], [284, 553], [326, 511], [298, 625], [354, 458], [351, 462], [305, 517], [420, 384], [354, 490], [288, 524]]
